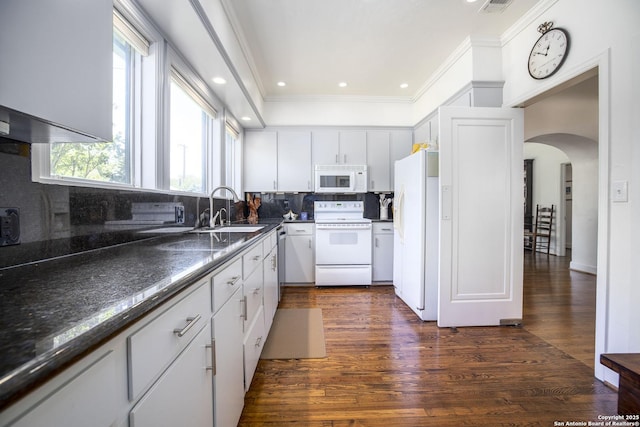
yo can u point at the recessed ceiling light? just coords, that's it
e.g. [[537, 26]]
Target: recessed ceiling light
[[281, 84], [245, 118], [471, 1], [219, 80], [404, 85], [342, 84]]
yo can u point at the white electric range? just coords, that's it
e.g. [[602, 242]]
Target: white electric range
[[342, 244]]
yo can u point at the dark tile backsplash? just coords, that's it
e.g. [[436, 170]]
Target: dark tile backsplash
[[56, 220]]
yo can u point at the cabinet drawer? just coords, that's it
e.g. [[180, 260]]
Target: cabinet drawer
[[299, 229], [225, 283], [152, 348], [253, 344], [251, 260], [253, 296], [382, 228]]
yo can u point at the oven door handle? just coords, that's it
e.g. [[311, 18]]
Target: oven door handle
[[342, 227]]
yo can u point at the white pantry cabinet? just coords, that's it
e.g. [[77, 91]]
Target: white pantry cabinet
[[57, 62]]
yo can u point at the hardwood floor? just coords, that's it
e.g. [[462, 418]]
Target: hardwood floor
[[384, 367]]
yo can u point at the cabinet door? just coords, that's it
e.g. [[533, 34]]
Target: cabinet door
[[183, 396], [383, 256], [399, 147], [89, 399], [57, 62], [270, 268], [300, 263], [325, 147], [260, 161], [378, 160], [294, 161], [229, 377], [353, 147]]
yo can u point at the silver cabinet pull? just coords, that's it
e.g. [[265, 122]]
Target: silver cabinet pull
[[258, 341], [190, 322], [233, 280], [337, 160], [256, 258], [244, 308], [256, 291], [213, 367], [377, 245]]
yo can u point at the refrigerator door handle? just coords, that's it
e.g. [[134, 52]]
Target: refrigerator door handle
[[398, 215]]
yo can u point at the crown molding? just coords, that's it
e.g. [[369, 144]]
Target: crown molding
[[526, 20]]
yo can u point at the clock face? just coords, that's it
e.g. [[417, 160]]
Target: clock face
[[548, 53]]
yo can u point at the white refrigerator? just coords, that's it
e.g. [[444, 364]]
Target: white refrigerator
[[416, 233]]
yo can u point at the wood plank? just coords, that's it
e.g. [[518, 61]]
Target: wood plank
[[385, 367]]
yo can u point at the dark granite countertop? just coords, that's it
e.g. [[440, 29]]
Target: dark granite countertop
[[53, 312]]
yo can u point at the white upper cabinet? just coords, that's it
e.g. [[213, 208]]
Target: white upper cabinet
[[294, 161], [378, 160], [260, 161], [383, 149], [57, 62], [277, 161], [339, 147], [325, 147], [353, 147]]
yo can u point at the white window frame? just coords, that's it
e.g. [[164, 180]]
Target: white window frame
[[141, 34], [202, 94], [232, 170]]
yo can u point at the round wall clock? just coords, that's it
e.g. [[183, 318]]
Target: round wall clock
[[549, 51]]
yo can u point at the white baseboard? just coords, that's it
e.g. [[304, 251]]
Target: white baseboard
[[590, 269]]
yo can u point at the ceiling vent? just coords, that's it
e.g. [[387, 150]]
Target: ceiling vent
[[495, 6]]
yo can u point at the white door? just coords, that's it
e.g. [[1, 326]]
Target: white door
[[481, 222]]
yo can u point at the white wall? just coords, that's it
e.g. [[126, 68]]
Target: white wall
[[546, 181], [606, 35], [549, 152]]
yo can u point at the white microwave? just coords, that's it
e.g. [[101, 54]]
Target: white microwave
[[341, 178]]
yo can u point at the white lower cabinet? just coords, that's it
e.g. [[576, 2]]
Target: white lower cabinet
[[229, 376], [89, 399], [270, 288], [382, 264], [187, 363], [300, 253], [253, 344], [183, 396]]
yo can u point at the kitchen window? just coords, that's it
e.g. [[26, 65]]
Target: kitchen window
[[190, 130], [233, 159]]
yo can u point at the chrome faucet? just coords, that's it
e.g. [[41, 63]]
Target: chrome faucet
[[212, 221]]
